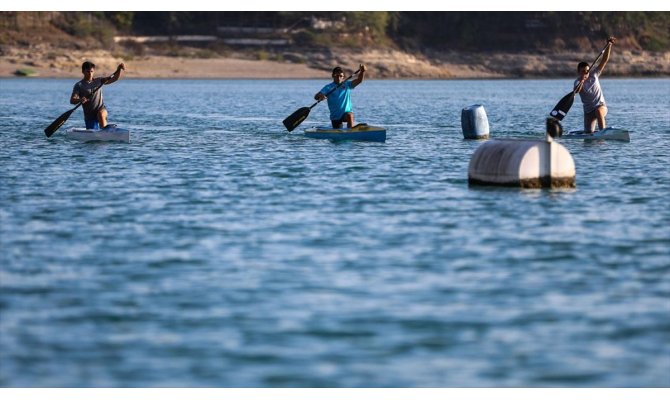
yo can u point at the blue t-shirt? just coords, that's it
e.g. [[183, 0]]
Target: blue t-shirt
[[339, 102]]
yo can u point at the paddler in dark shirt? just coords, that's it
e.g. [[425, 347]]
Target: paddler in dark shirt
[[95, 113]]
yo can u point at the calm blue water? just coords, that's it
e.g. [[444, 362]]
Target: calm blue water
[[217, 250]]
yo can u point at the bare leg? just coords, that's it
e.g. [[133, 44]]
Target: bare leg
[[102, 118], [350, 120], [600, 114], [590, 122]]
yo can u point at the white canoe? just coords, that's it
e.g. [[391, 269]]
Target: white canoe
[[605, 134], [362, 132], [110, 134]]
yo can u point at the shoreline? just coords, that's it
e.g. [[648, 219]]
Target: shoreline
[[327, 78], [47, 62]]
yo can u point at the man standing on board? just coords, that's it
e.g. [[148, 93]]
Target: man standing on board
[[339, 101], [88, 92], [588, 87]]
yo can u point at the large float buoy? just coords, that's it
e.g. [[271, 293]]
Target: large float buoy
[[474, 122], [522, 163]]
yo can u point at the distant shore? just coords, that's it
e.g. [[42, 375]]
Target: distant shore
[[383, 64]]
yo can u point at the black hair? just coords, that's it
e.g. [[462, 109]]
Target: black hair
[[87, 65], [582, 64], [337, 70]]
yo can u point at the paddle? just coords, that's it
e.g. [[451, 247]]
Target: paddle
[[51, 129], [292, 121], [561, 110]]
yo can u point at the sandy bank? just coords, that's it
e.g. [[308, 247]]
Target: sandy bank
[[60, 63], [68, 65]]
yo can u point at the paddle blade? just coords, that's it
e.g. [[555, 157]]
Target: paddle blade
[[292, 121], [57, 123], [563, 106]]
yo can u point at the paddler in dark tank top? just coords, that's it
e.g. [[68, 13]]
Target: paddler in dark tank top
[[88, 92]]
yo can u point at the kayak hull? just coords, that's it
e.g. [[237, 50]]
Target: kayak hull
[[112, 134], [605, 134], [360, 132]]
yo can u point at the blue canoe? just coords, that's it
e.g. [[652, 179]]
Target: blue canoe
[[361, 132], [605, 134]]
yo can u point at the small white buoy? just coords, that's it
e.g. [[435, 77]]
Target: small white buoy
[[474, 122], [522, 163]]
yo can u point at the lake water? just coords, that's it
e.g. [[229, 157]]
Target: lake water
[[216, 250]]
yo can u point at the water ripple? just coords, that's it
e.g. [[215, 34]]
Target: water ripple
[[215, 249]]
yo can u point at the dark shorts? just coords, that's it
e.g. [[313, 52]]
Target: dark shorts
[[92, 120], [337, 123]]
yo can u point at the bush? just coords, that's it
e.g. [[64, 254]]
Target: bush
[[262, 55], [122, 20], [85, 25], [25, 72], [205, 53], [654, 43]]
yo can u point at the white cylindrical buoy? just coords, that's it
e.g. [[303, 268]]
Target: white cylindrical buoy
[[523, 163], [474, 122]]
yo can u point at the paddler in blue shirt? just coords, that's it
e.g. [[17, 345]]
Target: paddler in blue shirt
[[339, 101], [88, 92], [588, 87]]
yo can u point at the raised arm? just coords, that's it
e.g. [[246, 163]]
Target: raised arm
[[117, 74], [606, 56], [361, 76]]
